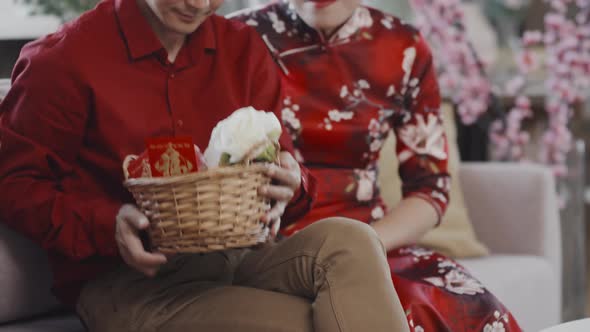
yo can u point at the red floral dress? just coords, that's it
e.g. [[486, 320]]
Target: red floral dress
[[343, 95]]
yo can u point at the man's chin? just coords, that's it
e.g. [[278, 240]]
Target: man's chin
[[187, 29]]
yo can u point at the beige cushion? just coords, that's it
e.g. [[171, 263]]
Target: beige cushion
[[455, 236]]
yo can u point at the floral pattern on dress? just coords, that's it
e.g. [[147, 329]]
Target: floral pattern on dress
[[413, 326], [290, 119], [418, 253], [360, 19], [498, 325], [388, 22], [277, 24], [292, 124], [340, 108], [450, 276], [424, 139], [458, 283], [365, 185], [377, 213]]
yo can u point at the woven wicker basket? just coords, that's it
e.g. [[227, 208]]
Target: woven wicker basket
[[202, 212]]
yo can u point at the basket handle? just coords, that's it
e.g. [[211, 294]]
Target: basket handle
[[126, 162]]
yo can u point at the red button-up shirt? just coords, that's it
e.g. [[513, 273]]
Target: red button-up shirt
[[86, 97]]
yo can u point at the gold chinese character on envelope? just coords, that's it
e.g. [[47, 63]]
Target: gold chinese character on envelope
[[171, 156]]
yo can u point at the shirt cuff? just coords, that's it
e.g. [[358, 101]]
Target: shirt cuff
[[302, 200], [104, 223]]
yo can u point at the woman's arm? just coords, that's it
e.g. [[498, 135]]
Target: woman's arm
[[406, 223], [422, 151]]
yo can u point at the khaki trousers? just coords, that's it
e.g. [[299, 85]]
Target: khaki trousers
[[335, 272]]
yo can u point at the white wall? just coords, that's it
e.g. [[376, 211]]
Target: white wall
[[16, 23], [400, 8]]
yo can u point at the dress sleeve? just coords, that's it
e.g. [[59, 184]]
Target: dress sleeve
[[421, 148]]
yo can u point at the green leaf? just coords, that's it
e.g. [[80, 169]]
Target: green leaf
[[224, 160], [268, 155]]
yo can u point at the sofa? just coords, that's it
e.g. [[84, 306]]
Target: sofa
[[513, 208]]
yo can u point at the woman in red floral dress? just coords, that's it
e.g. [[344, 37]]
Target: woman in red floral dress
[[351, 74]]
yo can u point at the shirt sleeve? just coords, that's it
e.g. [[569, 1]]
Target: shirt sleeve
[[421, 148], [44, 117], [267, 95]]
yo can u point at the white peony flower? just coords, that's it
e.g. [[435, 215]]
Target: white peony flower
[[244, 130]]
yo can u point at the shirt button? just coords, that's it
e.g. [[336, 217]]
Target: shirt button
[[180, 123], [172, 75]]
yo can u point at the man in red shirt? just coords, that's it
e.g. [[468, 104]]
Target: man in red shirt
[[88, 95]]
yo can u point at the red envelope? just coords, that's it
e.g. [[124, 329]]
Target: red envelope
[[170, 156], [140, 167]]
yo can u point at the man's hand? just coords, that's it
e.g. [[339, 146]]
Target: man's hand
[[130, 221], [287, 179]]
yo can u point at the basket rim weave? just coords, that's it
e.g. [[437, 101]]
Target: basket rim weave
[[189, 177]]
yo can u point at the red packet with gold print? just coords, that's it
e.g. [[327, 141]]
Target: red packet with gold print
[[170, 156], [139, 167]]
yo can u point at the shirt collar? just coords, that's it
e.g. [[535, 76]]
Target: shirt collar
[[142, 41], [360, 19]]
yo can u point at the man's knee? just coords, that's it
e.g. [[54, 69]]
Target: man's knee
[[345, 233]]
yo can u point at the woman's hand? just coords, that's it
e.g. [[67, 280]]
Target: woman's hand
[[287, 180]]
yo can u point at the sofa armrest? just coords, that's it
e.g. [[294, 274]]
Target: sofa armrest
[[25, 278], [4, 86], [514, 208]]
